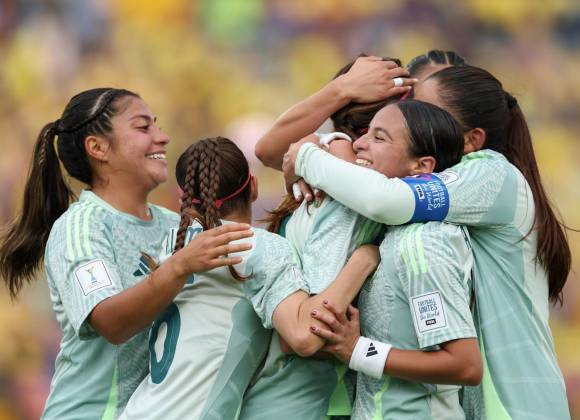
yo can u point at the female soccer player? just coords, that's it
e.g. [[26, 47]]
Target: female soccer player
[[102, 292], [212, 345], [521, 252]]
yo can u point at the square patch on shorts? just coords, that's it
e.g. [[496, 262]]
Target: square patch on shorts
[[429, 312], [93, 276]]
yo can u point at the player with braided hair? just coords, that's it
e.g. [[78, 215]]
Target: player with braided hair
[[92, 249], [214, 338]]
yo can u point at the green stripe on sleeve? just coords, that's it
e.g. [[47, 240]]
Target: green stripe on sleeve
[[86, 220], [419, 245], [77, 235], [111, 407], [69, 246], [411, 254]]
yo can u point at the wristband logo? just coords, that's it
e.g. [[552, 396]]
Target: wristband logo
[[372, 350]]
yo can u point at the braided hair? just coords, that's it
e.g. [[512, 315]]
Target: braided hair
[[46, 194], [210, 169]]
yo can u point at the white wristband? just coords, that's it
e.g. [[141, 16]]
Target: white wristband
[[325, 139], [369, 357]]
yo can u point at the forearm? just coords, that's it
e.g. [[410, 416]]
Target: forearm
[[384, 200], [342, 291], [458, 363], [129, 312], [300, 120]]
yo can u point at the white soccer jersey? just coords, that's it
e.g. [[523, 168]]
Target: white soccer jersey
[[209, 342]]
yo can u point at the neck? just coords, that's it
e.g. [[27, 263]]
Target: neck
[[129, 200], [239, 217]]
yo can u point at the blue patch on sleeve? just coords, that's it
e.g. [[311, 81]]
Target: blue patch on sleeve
[[431, 198]]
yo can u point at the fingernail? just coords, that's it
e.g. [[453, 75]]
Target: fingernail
[[308, 197], [296, 191], [316, 192], [313, 313]]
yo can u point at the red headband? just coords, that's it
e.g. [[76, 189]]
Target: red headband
[[220, 201]]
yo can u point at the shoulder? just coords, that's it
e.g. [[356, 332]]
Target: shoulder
[[418, 245], [486, 164]]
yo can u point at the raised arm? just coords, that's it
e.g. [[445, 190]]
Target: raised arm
[[369, 80]]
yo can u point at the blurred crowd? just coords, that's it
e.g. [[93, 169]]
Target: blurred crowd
[[229, 67]]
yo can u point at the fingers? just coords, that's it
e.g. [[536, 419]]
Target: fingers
[[305, 190], [326, 318], [340, 317], [224, 250], [353, 313], [228, 237], [230, 227], [329, 336], [220, 262]]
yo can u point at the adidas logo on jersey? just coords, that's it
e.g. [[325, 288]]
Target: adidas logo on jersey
[[371, 351]]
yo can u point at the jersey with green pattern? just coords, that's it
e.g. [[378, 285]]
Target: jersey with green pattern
[[207, 345], [417, 300], [488, 194], [94, 252], [289, 386]]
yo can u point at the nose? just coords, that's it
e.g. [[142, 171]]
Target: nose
[[360, 144], [161, 136]]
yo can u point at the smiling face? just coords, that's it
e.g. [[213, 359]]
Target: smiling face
[[385, 148], [136, 156]]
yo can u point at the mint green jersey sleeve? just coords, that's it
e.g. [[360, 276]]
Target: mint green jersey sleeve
[[436, 261], [80, 263], [384, 200], [272, 274], [484, 189]]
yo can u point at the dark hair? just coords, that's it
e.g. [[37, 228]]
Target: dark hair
[[432, 132], [209, 169], [434, 57], [352, 119], [477, 100], [46, 193]]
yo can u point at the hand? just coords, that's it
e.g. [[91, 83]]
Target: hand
[[342, 333], [370, 79], [289, 161], [209, 249]]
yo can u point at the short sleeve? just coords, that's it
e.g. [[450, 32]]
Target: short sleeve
[[81, 266], [483, 190], [272, 274], [435, 266]]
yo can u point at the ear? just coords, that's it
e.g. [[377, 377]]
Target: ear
[[97, 148], [474, 140], [254, 188], [423, 165]]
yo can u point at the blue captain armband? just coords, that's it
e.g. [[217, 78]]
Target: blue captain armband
[[431, 198]]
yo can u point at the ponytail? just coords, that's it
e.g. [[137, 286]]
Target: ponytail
[[46, 198], [553, 251]]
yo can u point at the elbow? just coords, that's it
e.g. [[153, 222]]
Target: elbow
[[263, 154], [306, 345], [113, 335], [471, 374]]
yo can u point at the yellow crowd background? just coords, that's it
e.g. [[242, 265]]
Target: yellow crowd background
[[229, 67]]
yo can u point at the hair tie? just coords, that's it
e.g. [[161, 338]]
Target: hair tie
[[511, 101], [56, 127], [220, 201]]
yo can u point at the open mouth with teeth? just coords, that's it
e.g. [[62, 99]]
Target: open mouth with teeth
[[156, 156], [363, 162]]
